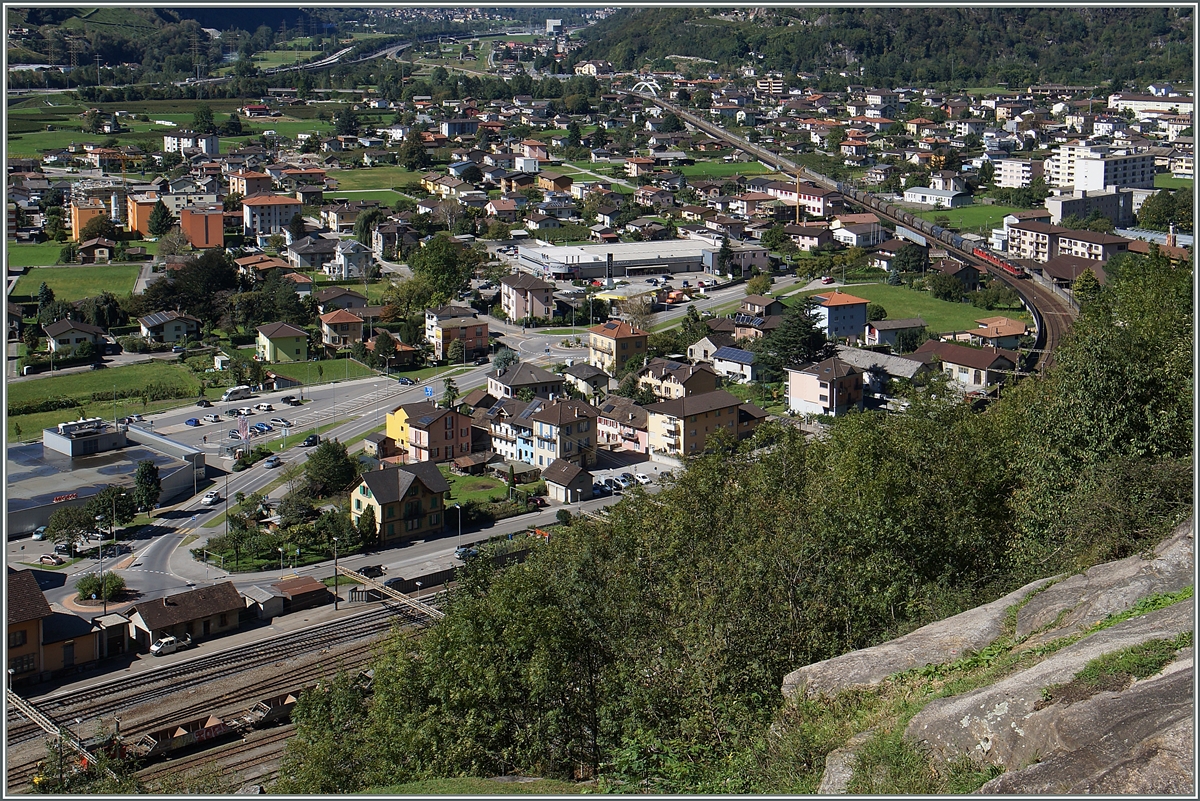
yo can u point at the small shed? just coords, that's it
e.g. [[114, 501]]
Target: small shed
[[523, 473], [373, 443], [263, 603], [302, 592], [201, 612], [474, 464]]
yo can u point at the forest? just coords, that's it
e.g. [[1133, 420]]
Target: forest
[[647, 650], [949, 47]]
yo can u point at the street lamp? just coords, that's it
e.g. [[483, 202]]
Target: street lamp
[[335, 575], [418, 592], [458, 542], [280, 559]]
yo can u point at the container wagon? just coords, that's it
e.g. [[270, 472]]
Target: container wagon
[[270, 710]]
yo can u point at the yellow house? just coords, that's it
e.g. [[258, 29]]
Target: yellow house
[[682, 426], [281, 342], [27, 608], [407, 500], [612, 344]]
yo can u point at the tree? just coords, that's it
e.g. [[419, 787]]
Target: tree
[[445, 265], [1157, 211], [759, 284], [368, 528], [637, 311], [1086, 287], [31, 339], [45, 295], [876, 312], [449, 393], [412, 154], [232, 202], [385, 348], [505, 358], [797, 340], [98, 227], [173, 244], [330, 468], [161, 220], [345, 122], [146, 485], [945, 287], [725, 256], [332, 748], [103, 504], [68, 253], [911, 258], [365, 224], [69, 524], [90, 585], [202, 119], [456, 351], [296, 227]]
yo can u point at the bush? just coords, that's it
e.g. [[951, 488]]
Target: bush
[[45, 405], [89, 585]]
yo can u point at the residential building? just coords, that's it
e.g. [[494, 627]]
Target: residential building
[[340, 329], [1016, 173], [888, 332], [247, 184], [423, 432], [735, 364], [881, 371], [997, 332], [564, 429], [27, 609], [523, 296], [966, 274], [612, 344], [703, 350], [831, 387], [268, 214], [169, 326], [973, 369], [622, 422], [669, 379], [683, 426], [408, 501], [509, 382], [567, 482], [350, 260], [1097, 167], [339, 297], [1116, 206], [203, 226], [312, 253], [1042, 242], [179, 141], [471, 331], [938, 198], [199, 613], [840, 314], [64, 336], [589, 380], [83, 211], [281, 342]]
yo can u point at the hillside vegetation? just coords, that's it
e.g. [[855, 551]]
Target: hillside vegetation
[[647, 650], [921, 46]]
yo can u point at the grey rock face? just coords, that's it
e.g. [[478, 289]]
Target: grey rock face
[[944, 641]]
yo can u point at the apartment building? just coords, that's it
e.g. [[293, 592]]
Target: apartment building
[[425, 433], [1017, 173], [612, 344], [682, 426], [268, 214], [408, 501]]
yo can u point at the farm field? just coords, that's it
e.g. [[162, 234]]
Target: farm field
[[329, 370], [719, 169], [971, 218], [940, 316], [78, 281], [39, 255]]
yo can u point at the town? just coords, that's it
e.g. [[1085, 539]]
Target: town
[[288, 358]]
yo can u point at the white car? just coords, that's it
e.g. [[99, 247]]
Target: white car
[[211, 498], [265, 407], [281, 422], [642, 478], [211, 418], [169, 645], [245, 411]]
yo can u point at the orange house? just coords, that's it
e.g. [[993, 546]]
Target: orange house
[[203, 226]]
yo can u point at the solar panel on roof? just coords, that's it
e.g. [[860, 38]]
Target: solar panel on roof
[[734, 355]]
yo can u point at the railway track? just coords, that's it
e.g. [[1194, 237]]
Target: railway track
[[348, 643], [1051, 313]]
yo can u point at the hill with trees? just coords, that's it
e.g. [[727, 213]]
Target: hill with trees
[[905, 46], [647, 649]]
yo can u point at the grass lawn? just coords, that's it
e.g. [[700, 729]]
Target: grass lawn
[[382, 177], [387, 197], [324, 372], [1163, 180], [761, 397], [901, 302], [472, 488], [971, 218], [77, 281], [39, 255], [276, 58], [474, 786]]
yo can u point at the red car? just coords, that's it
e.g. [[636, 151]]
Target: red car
[[827, 280]]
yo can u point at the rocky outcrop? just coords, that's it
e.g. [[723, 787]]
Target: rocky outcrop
[[1129, 737], [935, 644], [1002, 724]]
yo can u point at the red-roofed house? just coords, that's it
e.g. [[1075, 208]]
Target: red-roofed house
[[840, 314]]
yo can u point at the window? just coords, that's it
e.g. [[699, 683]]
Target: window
[[434, 519], [412, 525], [223, 620], [23, 664], [391, 511], [391, 529], [357, 505], [16, 638]]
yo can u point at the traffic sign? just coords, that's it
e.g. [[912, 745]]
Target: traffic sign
[[429, 392]]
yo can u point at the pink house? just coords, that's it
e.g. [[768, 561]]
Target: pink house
[[622, 422]]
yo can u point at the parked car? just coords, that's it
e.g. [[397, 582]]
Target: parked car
[[39, 533], [405, 381], [281, 422], [827, 279], [203, 404], [372, 571], [613, 485], [481, 360], [245, 411], [262, 428], [169, 645], [642, 478], [136, 418], [265, 407], [63, 548], [50, 559], [272, 462], [687, 283], [233, 434], [290, 400], [597, 490], [211, 498], [178, 349], [310, 440], [192, 421], [212, 418], [465, 552]]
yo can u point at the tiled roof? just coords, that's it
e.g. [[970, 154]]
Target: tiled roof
[[838, 299], [25, 599], [617, 329], [695, 404], [272, 330], [562, 472], [391, 484], [974, 358], [339, 316], [162, 613]]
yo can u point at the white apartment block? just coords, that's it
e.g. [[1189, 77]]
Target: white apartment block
[[268, 214], [180, 140], [1136, 103], [1096, 167], [1017, 173]]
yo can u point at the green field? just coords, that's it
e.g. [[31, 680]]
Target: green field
[[940, 316], [382, 177], [385, 196], [719, 169], [971, 218], [472, 488], [330, 370], [1166, 181], [277, 58], [78, 281], [40, 255]]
